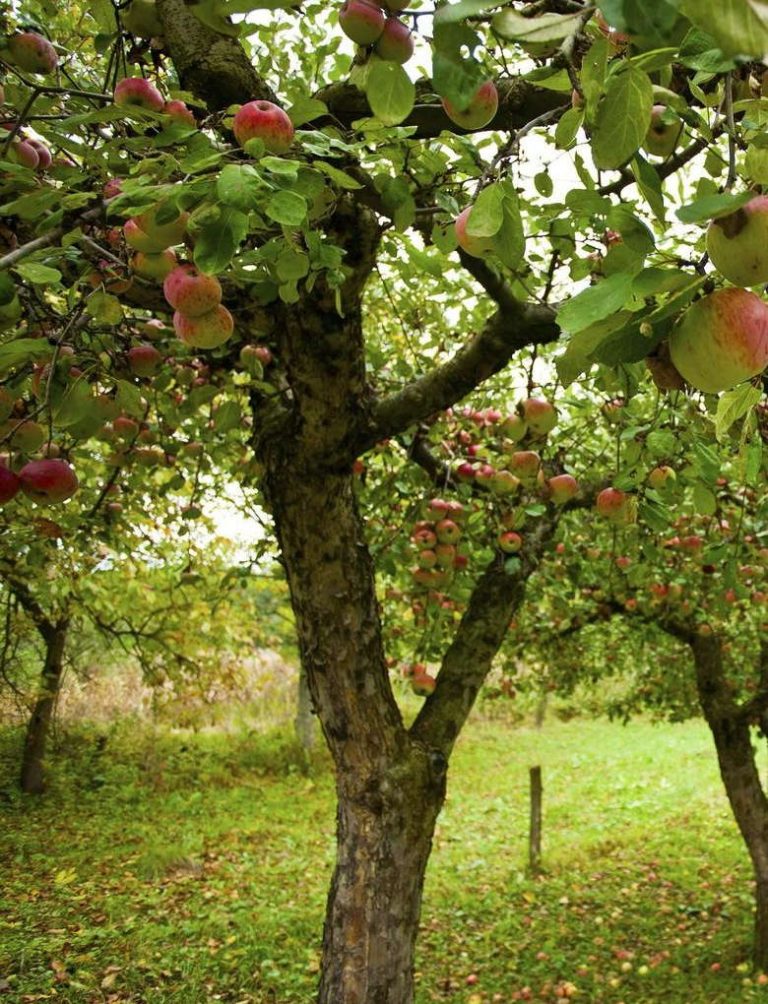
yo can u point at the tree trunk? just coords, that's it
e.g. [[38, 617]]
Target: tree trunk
[[38, 728], [304, 722], [372, 920], [741, 778]]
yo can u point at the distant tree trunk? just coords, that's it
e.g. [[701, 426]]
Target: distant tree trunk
[[304, 722], [39, 725], [736, 755]]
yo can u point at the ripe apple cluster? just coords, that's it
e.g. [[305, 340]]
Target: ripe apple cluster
[[140, 93], [377, 25], [200, 320]]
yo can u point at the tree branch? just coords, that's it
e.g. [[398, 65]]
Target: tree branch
[[495, 599], [511, 328]]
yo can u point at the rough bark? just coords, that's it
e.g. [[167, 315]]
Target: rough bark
[[304, 722], [736, 756], [38, 728]]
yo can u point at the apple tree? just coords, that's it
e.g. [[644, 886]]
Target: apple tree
[[333, 249]]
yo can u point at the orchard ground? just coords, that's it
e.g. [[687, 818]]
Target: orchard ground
[[181, 867]]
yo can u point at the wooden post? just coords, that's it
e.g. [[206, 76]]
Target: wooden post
[[534, 837]]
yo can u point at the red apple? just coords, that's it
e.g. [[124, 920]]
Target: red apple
[[206, 331], [478, 247], [191, 292], [539, 415], [178, 111], [395, 43], [510, 542], [737, 244], [44, 158], [31, 52], [616, 506], [137, 92], [562, 488], [447, 531], [362, 21], [48, 481], [154, 266], [144, 360], [525, 464], [721, 340], [479, 111], [423, 684], [265, 121], [9, 484], [22, 152]]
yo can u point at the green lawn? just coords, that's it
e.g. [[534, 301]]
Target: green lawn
[[192, 869]]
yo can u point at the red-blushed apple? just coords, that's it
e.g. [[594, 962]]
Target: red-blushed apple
[[162, 235], [423, 534], [662, 136], [504, 483], [661, 477], [395, 43], [125, 427], [426, 559], [692, 543], [266, 121], [31, 52], [446, 555], [737, 244], [721, 340], [484, 474], [447, 531], [362, 21], [478, 247], [44, 157], [23, 153], [525, 465], [137, 92], [144, 360], [513, 428], [562, 488], [479, 111], [423, 684], [155, 328], [206, 331], [616, 506], [26, 436], [436, 509], [613, 411], [191, 292], [539, 415], [112, 188], [154, 266], [465, 471], [178, 112], [9, 484], [618, 39], [623, 562], [48, 482], [510, 542]]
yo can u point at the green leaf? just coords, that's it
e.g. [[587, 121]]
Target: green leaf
[[456, 76], [287, 208], [756, 164], [704, 500], [594, 68], [74, 405], [227, 416], [37, 274], [735, 404], [649, 184], [713, 206], [751, 458], [305, 109], [216, 242], [129, 399], [700, 51], [240, 186], [623, 117], [390, 91], [544, 28], [509, 242], [292, 265], [104, 307], [606, 297], [337, 176], [22, 351], [453, 12], [568, 127], [739, 27], [487, 214]]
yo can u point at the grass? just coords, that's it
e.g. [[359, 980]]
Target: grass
[[193, 869]]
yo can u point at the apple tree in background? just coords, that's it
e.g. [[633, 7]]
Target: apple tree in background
[[674, 605], [258, 224]]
